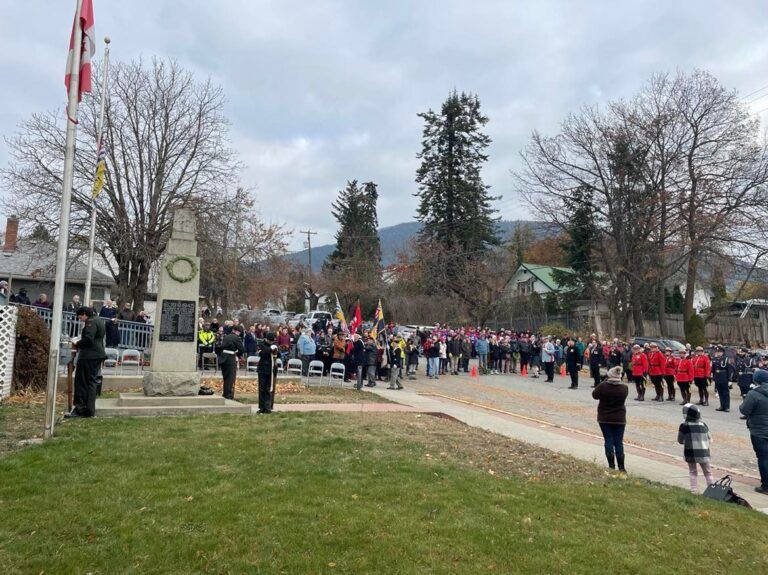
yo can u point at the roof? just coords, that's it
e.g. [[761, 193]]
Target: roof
[[544, 274], [36, 260]]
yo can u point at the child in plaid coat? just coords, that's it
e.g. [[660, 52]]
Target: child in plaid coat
[[694, 435]]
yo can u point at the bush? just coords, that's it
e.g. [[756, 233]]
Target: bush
[[30, 364], [556, 330], [694, 331]]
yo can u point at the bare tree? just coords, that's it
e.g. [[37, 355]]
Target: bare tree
[[166, 144]]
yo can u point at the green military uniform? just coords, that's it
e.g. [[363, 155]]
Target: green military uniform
[[90, 355]]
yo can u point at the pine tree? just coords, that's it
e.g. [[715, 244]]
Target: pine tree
[[455, 207], [581, 240]]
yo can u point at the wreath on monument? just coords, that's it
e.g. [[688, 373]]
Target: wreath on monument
[[182, 279]]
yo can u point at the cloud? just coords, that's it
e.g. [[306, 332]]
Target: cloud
[[323, 92]]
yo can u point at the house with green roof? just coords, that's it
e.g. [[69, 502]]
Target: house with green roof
[[534, 278]]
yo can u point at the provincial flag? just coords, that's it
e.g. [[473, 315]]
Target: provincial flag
[[339, 315], [378, 321], [87, 49], [357, 321], [101, 168]]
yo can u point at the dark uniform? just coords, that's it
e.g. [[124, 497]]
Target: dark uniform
[[231, 348], [596, 361], [90, 355], [745, 369], [723, 373], [573, 364], [267, 370]]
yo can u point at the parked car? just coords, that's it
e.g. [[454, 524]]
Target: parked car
[[314, 316], [676, 346], [296, 320]]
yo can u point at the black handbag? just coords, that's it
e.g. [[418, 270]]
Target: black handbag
[[720, 490]]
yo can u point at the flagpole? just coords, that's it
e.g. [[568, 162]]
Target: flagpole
[[63, 243], [99, 139]]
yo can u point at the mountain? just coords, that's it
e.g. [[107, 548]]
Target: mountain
[[395, 238]]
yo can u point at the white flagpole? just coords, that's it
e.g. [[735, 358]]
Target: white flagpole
[[63, 243], [99, 139]]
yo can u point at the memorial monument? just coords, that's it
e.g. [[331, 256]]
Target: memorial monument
[[173, 367]]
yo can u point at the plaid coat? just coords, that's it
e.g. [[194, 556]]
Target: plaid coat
[[695, 438]]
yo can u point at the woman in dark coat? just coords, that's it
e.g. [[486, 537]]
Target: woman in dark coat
[[612, 416], [109, 313]]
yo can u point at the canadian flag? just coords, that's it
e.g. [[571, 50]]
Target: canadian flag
[[357, 320], [87, 48]]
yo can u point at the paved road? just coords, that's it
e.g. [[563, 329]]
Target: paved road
[[650, 425]]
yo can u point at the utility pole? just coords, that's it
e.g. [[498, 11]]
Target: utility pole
[[309, 233]]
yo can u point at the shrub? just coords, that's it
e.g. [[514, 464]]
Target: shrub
[[556, 330], [30, 364], [694, 331]]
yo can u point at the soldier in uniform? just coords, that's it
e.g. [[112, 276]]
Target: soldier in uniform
[[723, 373], [267, 369], [745, 369], [90, 355], [231, 349]]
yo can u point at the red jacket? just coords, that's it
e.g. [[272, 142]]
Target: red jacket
[[656, 363], [639, 364], [702, 367], [684, 370], [670, 367]]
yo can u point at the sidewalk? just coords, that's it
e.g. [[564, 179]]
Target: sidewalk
[[641, 462]]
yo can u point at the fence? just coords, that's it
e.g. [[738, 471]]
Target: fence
[[133, 335], [726, 329], [8, 317]]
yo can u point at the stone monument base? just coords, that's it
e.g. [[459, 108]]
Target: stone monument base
[[136, 404], [169, 383]]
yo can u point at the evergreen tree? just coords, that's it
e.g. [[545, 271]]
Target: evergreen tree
[[455, 207], [581, 240]]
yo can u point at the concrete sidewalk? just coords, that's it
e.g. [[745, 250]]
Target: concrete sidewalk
[[343, 407], [641, 462]]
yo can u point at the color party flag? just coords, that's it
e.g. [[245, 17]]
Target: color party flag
[[87, 49]]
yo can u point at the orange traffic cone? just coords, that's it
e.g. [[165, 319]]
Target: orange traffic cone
[[473, 373], [562, 369], [524, 371]]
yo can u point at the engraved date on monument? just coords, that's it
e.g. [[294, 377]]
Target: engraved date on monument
[[177, 320]]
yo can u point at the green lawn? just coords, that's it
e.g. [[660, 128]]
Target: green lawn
[[345, 493]]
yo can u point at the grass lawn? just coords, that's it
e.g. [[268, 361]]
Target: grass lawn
[[345, 493]]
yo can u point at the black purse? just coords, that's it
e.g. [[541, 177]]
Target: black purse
[[720, 490]]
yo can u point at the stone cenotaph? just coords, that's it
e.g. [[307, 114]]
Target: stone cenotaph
[[173, 365]]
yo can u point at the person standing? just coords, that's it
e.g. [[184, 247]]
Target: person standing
[[684, 376], [250, 343], [454, 353], [548, 359], [656, 365], [42, 301], [75, 304], [612, 416], [639, 370], [231, 349], [693, 434], [482, 348], [306, 348], [573, 363], [433, 359], [723, 373], [357, 363], [109, 313], [745, 367], [596, 361], [267, 372], [755, 409], [371, 356], [466, 352], [670, 367], [702, 370], [90, 355]]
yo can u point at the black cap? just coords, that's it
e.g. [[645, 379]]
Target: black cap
[[719, 348], [84, 310], [270, 336], [238, 328]]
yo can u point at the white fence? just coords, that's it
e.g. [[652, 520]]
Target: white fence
[[8, 317]]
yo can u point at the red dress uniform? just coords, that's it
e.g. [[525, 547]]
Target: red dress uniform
[[639, 364], [684, 370], [670, 367], [656, 363], [702, 367]]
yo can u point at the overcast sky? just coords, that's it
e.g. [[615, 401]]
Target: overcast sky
[[324, 91]]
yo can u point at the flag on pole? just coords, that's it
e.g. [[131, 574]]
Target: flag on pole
[[357, 321], [87, 49], [339, 315], [101, 168], [378, 321]]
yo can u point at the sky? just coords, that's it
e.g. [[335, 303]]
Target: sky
[[324, 91]]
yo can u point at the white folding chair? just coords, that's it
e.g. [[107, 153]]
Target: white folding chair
[[251, 363], [209, 358], [316, 368], [130, 357], [338, 371], [113, 356], [294, 366], [279, 364]]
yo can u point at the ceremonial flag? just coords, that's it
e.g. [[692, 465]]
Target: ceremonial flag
[[87, 48], [339, 315], [378, 321], [101, 168], [357, 321]]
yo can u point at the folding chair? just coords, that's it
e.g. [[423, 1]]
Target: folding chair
[[295, 366], [279, 364], [130, 357], [338, 371], [113, 356], [316, 368], [209, 358], [251, 363]]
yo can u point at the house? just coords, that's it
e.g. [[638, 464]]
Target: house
[[534, 278], [31, 264]]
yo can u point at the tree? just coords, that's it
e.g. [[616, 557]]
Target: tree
[[578, 246], [353, 270], [166, 143], [546, 252], [455, 206]]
